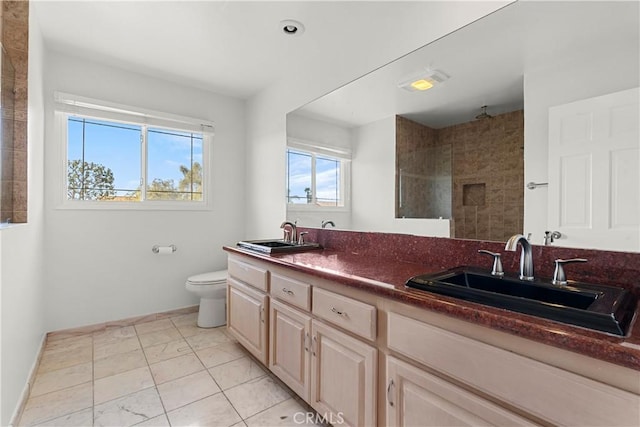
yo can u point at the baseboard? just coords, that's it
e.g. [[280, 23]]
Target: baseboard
[[24, 396], [97, 327]]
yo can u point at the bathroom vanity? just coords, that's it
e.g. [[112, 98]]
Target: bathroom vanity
[[340, 328]]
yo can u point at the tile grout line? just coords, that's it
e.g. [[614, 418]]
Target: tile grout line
[[155, 384]]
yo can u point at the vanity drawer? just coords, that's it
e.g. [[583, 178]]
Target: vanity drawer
[[352, 315], [291, 291], [249, 274]]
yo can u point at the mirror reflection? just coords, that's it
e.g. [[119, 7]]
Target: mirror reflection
[[455, 160]]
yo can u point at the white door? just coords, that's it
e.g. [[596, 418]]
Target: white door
[[594, 172]]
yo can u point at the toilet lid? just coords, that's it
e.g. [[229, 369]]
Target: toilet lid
[[211, 277]]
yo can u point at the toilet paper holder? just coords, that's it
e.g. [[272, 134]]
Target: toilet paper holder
[[156, 248]]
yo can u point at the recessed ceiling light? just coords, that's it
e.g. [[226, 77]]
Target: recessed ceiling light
[[291, 27]]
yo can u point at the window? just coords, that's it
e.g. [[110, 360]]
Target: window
[[316, 177], [120, 159]]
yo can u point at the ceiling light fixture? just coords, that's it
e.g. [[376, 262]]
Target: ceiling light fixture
[[423, 80], [291, 27]]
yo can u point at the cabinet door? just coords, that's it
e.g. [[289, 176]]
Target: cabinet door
[[247, 312], [418, 398], [343, 377], [289, 340]]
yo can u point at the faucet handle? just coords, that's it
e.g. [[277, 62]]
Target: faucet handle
[[301, 237], [497, 263], [559, 277]]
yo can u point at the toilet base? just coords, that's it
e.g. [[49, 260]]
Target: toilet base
[[212, 312]]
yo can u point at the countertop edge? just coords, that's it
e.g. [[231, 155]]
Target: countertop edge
[[588, 343]]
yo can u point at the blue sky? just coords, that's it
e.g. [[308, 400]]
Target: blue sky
[[117, 146], [300, 176]]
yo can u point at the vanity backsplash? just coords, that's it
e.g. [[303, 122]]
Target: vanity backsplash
[[605, 267]]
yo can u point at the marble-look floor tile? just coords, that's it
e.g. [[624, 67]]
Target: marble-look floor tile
[[222, 353], [185, 319], [69, 344], [212, 411], [107, 349], [52, 361], [289, 413], [119, 385], [58, 403], [188, 330], [112, 334], [129, 410], [177, 367], [159, 421], [159, 337], [82, 418], [154, 326], [185, 390], [242, 424], [169, 350], [210, 338], [256, 396], [236, 372], [117, 363], [62, 378]]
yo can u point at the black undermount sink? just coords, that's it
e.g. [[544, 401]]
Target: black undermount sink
[[603, 308], [276, 246]]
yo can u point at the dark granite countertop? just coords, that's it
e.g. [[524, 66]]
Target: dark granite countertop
[[386, 277]]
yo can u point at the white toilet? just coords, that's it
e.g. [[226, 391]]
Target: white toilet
[[212, 289]]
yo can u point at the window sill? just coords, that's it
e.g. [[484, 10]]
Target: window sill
[[138, 206]]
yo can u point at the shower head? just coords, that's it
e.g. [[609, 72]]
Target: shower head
[[484, 114]]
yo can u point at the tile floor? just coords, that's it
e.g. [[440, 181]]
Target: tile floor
[[165, 372]]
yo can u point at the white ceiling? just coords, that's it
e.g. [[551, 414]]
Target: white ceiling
[[487, 62], [229, 47]]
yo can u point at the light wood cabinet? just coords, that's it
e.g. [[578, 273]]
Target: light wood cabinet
[[289, 347], [323, 340], [416, 398], [343, 377], [247, 318]]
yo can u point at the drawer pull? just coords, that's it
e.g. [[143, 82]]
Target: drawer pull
[[287, 291], [389, 395], [339, 313]]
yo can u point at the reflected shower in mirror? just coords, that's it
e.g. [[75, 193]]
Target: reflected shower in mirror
[[435, 162], [7, 106]]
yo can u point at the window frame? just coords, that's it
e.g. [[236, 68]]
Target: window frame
[[68, 106], [316, 150]]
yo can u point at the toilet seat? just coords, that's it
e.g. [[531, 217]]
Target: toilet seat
[[210, 278]]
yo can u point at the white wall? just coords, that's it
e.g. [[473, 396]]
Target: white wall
[[266, 124], [99, 263], [21, 256], [578, 77]]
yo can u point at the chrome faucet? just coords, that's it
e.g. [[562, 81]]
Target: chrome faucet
[[326, 222], [292, 236], [526, 257]]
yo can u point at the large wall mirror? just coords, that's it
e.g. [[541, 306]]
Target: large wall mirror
[[470, 157]]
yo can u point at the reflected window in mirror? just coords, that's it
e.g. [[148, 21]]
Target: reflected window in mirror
[[317, 177]]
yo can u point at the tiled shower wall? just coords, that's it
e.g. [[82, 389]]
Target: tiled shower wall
[[485, 174], [423, 172], [15, 39]]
